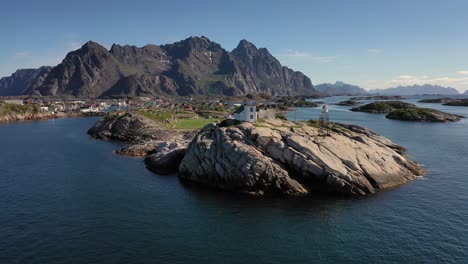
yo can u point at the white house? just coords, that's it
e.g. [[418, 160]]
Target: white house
[[246, 112]]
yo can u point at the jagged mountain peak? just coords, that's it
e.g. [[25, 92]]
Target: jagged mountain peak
[[245, 48], [193, 66], [93, 45], [245, 44], [89, 47]]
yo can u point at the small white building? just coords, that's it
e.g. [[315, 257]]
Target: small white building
[[246, 112], [16, 102]]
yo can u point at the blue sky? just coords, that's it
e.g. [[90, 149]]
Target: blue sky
[[373, 44]]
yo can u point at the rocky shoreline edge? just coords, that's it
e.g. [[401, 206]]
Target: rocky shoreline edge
[[270, 157]]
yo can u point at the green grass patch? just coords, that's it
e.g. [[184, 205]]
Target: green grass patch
[[193, 123], [17, 109]]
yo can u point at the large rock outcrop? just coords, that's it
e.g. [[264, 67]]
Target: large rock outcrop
[[144, 136], [128, 127], [291, 159]]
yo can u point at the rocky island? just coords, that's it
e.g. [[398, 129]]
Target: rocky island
[[422, 114], [289, 158], [271, 156], [407, 112], [447, 101], [349, 102], [382, 107]]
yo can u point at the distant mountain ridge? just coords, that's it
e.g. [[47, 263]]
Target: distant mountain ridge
[[417, 90], [194, 66], [340, 88], [23, 81], [466, 92]]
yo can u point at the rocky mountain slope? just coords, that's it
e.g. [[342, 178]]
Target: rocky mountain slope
[[194, 66], [23, 81], [340, 88], [417, 89]]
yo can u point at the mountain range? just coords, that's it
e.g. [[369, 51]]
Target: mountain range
[[340, 88], [466, 92], [416, 89], [194, 66]]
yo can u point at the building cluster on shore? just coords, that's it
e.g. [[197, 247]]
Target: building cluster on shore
[[242, 109]]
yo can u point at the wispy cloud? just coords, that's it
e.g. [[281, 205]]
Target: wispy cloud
[[463, 72], [296, 54], [326, 59], [22, 54], [302, 55], [374, 51]]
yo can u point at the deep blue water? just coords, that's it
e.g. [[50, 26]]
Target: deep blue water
[[66, 198]]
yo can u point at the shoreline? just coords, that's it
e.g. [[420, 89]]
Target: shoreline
[[45, 116]]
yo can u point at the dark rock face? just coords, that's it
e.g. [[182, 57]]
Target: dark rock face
[[142, 85], [278, 159], [194, 66], [423, 115], [23, 81], [165, 162], [263, 73], [383, 107], [86, 72], [340, 88]]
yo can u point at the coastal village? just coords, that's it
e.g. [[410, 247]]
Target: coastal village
[[204, 110]]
